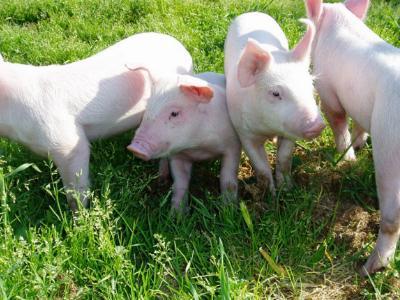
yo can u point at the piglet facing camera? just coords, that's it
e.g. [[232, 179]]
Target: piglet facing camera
[[269, 91], [187, 120]]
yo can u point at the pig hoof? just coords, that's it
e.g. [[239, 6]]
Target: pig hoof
[[374, 264], [284, 182], [73, 205], [349, 158], [272, 191], [229, 193], [229, 198], [265, 182], [179, 212], [350, 155]]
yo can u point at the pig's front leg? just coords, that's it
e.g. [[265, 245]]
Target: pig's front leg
[[180, 169], [359, 136], [258, 157], [284, 162], [229, 173], [71, 156], [337, 119]]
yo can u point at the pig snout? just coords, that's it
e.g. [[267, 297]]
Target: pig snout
[[314, 128], [140, 149]]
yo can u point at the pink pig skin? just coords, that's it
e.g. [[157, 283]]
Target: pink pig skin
[[187, 120], [56, 110], [269, 92], [358, 75]]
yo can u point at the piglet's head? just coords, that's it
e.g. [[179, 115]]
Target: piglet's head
[[282, 88], [172, 118]]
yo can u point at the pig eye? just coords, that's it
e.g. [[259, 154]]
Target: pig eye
[[174, 114], [276, 94]]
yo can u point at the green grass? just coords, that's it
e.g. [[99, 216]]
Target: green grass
[[313, 237]]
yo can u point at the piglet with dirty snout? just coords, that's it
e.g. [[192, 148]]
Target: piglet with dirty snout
[[358, 75], [57, 110], [187, 120], [269, 92]]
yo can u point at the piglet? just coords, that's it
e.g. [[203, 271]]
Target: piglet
[[358, 75], [269, 92], [57, 110], [187, 120]]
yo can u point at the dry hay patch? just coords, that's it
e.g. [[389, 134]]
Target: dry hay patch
[[354, 226]]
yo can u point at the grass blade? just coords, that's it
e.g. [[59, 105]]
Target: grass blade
[[277, 268]]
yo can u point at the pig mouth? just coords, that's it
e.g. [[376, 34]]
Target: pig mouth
[[314, 131], [312, 134]]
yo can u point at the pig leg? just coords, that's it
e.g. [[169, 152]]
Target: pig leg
[[258, 157], [337, 119], [388, 185], [181, 170], [228, 176], [359, 136], [389, 202], [163, 171], [284, 163], [71, 156], [387, 168]]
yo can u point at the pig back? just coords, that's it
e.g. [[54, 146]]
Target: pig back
[[107, 97], [160, 50]]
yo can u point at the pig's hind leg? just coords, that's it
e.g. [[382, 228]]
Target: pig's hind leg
[[386, 149], [359, 136], [71, 153], [337, 119]]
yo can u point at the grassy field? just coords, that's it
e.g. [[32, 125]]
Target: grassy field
[[314, 237]]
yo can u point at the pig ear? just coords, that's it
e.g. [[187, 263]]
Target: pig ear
[[202, 94], [303, 49], [254, 60], [138, 67], [314, 9], [358, 7]]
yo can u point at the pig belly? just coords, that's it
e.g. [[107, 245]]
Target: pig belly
[[198, 154]]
